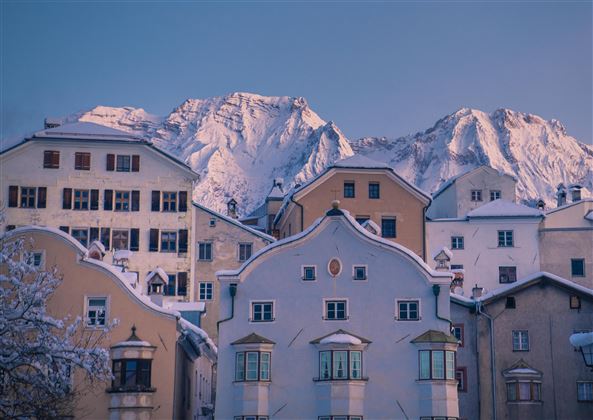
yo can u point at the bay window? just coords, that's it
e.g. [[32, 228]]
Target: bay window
[[518, 391], [340, 365], [436, 364], [131, 375], [253, 366]]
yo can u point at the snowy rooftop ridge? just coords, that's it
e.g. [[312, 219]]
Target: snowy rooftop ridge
[[360, 161], [84, 130], [504, 208]]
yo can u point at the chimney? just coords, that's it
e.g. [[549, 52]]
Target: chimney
[[541, 205], [561, 195], [477, 292], [575, 192], [231, 208], [51, 123], [278, 182]]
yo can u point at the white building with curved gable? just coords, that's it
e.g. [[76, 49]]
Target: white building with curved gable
[[335, 323]]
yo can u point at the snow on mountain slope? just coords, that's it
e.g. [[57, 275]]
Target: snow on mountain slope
[[237, 143], [538, 152]]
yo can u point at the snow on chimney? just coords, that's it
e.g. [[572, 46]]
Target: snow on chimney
[[51, 123], [575, 192], [477, 292], [231, 207], [561, 195]]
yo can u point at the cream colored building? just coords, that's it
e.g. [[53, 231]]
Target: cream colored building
[[370, 191], [170, 359], [566, 242], [221, 242], [97, 183]]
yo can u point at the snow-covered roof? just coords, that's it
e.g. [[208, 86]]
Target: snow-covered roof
[[186, 325], [158, 272], [443, 252], [85, 130], [369, 224], [589, 216], [360, 161], [457, 177], [574, 203], [276, 192], [99, 246], [236, 223], [185, 306], [581, 339], [122, 254], [341, 339], [353, 223], [504, 208], [521, 369]]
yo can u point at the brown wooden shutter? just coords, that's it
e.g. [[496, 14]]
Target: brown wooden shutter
[[182, 283], [156, 201], [55, 159], [108, 200], [13, 196], [93, 235], [182, 238], [65, 229], [154, 240], [86, 161], [77, 160], [105, 233], [47, 159], [110, 162], [41, 197], [182, 200], [51, 159], [135, 200], [135, 163], [94, 199], [134, 239], [67, 199]]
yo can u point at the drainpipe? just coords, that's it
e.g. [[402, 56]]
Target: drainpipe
[[232, 292], [492, 360], [436, 290], [302, 215], [424, 210]]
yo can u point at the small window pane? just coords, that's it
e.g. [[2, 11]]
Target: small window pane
[[438, 364], [424, 364], [450, 364], [240, 367], [340, 364], [264, 366], [324, 364], [252, 368], [577, 267], [355, 364]]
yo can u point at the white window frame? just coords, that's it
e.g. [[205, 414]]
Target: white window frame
[[41, 252], [122, 200], [520, 334], [168, 250], [366, 272], [117, 166], [495, 192], [505, 234], [87, 307], [262, 302], [113, 236], [455, 241], [211, 250], [205, 283], [239, 250], [335, 299], [81, 201], [476, 195], [402, 300], [587, 394], [303, 273], [172, 198]]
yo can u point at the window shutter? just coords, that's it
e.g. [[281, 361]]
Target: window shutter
[[67, 199], [41, 197], [65, 229], [94, 199], [110, 162], [182, 200], [134, 239], [135, 200], [182, 246], [86, 160], [93, 235], [154, 240], [55, 159], [47, 159], [105, 237], [108, 200], [13, 196], [135, 163], [182, 283], [156, 201]]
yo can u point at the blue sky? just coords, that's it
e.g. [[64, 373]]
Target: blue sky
[[375, 68]]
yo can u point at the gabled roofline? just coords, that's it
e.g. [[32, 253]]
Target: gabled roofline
[[445, 186], [566, 206], [235, 222], [349, 221]]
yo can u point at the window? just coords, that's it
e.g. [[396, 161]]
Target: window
[[388, 227], [494, 195], [458, 333], [309, 273], [456, 242], [336, 310], [205, 251], [81, 235], [476, 195], [510, 303], [437, 364], [36, 259], [253, 366], [339, 418], [120, 239], [575, 302], [122, 201], [96, 312], [461, 376], [262, 311], [51, 159], [131, 375], [585, 391], [374, 190], [507, 274], [251, 418], [171, 286], [349, 189], [123, 163], [206, 290], [408, 310], [524, 391], [82, 161], [81, 199], [577, 267], [245, 251], [520, 340], [456, 266], [340, 365], [212, 222], [505, 238], [361, 219], [169, 201], [28, 197], [360, 272], [182, 283], [168, 241]]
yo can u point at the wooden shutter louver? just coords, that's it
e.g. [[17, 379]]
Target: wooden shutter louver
[[108, 200], [65, 229], [156, 201], [154, 240], [41, 197], [67, 199], [94, 199], [134, 239], [182, 200], [135, 200], [93, 235], [182, 245], [13, 196], [105, 234], [135, 163], [110, 162]]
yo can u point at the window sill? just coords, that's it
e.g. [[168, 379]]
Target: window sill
[[341, 381], [407, 320], [526, 402], [336, 319], [131, 390], [263, 321], [266, 383]]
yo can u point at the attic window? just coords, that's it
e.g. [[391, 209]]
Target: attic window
[[309, 273], [212, 222], [510, 303], [575, 302]]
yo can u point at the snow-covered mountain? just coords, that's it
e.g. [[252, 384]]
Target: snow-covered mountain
[[237, 143], [538, 152], [240, 142]]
